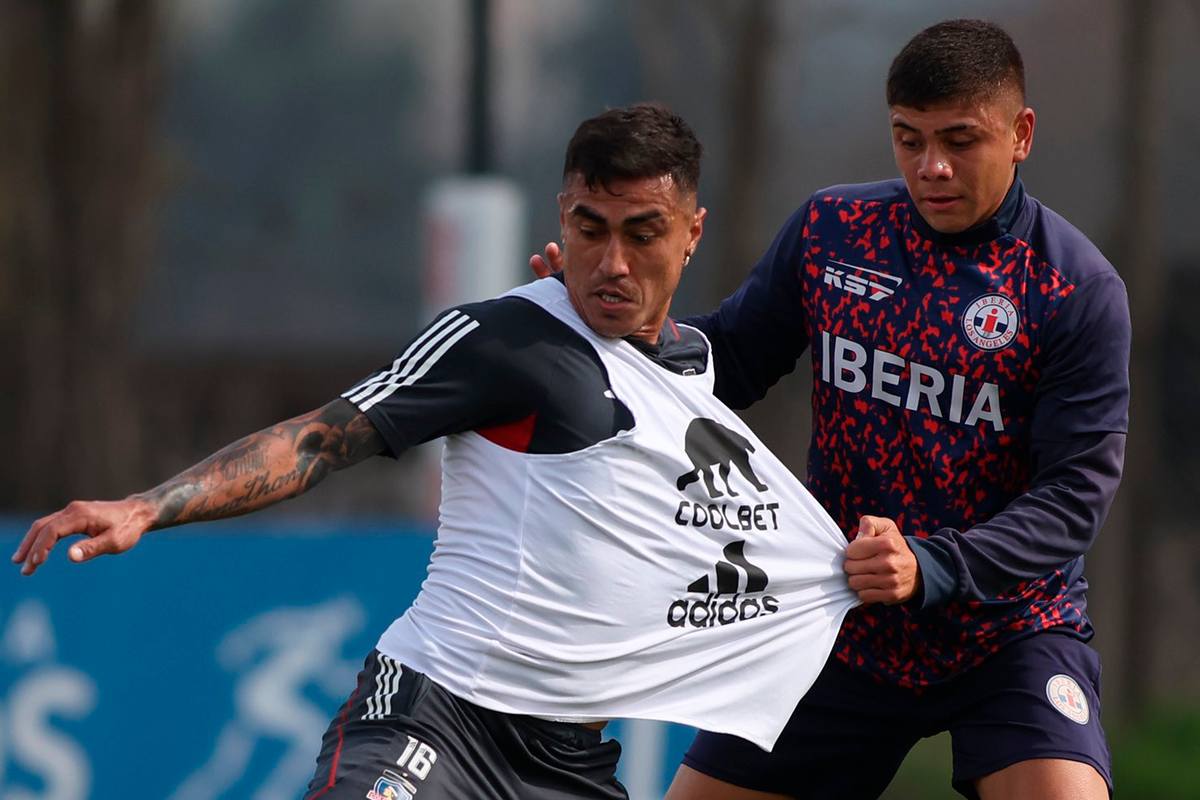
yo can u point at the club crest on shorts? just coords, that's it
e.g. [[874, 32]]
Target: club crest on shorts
[[1066, 696], [991, 322], [391, 786]]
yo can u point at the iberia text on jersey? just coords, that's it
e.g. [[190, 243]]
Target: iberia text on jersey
[[849, 366]]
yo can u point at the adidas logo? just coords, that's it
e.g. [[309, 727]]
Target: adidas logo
[[735, 607], [727, 573]]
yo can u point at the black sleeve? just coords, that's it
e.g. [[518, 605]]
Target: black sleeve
[[454, 376], [758, 333], [1077, 450], [505, 368]]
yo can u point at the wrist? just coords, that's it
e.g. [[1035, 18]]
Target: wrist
[[148, 509], [936, 573]]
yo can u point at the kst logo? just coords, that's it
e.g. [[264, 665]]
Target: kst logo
[[858, 280]]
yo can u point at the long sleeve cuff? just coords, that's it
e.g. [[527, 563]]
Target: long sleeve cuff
[[939, 575]]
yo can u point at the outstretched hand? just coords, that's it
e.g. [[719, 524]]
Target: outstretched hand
[[881, 565], [549, 262], [112, 527]]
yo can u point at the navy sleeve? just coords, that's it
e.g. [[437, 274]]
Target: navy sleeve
[[1084, 387], [452, 377], [1046, 528], [758, 333], [1077, 447]]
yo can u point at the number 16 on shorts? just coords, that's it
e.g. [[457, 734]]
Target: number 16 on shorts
[[417, 758]]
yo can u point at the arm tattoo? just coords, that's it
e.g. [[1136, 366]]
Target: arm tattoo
[[269, 466]]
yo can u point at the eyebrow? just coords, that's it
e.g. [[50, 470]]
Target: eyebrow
[[581, 210], [639, 219], [960, 127]]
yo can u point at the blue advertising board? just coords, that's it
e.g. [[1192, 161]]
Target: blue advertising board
[[206, 662]]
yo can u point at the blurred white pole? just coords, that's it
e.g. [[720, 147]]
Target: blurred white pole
[[475, 248], [643, 747], [475, 241]]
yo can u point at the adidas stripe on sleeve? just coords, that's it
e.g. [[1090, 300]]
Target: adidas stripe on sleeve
[[510, 371], [414, 362], [447, 380]]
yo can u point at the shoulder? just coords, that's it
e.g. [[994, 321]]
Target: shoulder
[[1085, 299], [684, 349], [687, 337], [515, 322], [888, 191], [885, 192], [504, 309], [1062, 246], [852, 203], [848, 200], [505, 336]]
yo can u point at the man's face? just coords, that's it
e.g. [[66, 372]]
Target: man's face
[[624, 251], [958, 159]]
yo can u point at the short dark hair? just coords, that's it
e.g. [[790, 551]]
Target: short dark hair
[[642, 141], [957, 60]]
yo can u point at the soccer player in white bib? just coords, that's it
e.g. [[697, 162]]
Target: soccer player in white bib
[[613, 540]]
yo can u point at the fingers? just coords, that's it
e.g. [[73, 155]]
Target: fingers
[[866, 527], [112, 528], [879, 554], [104, 544], [875, 535], [43, 535], [883, 583], [892, 580], [549, 262], [880, 566], [869, 526], [554, 256], [27, 542], [870, 590], [887, 597], [874, 547], [539, 266], [888, 589]]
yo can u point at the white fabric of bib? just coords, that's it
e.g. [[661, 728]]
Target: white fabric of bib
[[589, 586]]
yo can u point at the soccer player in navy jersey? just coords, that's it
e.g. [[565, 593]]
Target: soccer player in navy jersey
[[970, 357], [970, 352]]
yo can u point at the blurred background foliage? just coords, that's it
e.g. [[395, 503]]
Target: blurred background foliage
[[212, 216]]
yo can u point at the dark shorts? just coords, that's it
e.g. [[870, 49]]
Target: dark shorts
[[401, 735], [1035, 698]]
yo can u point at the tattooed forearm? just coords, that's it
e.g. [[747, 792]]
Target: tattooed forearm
[[351, 438], [249, 463], [268, 466], [263, 485]]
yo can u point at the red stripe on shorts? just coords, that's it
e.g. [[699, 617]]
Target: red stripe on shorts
[[337, 753]]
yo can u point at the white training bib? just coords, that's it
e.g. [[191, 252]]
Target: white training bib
[[676, 571]]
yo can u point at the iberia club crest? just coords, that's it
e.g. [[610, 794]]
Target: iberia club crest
[[991, 322]]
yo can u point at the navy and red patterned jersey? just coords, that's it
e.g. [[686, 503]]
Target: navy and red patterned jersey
[[973, 387]]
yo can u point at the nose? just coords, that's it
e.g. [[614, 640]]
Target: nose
[[615, 262], [934, 165]]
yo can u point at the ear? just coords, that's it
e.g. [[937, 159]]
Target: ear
[[697, 229], [1023, 134], [562, 212]]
